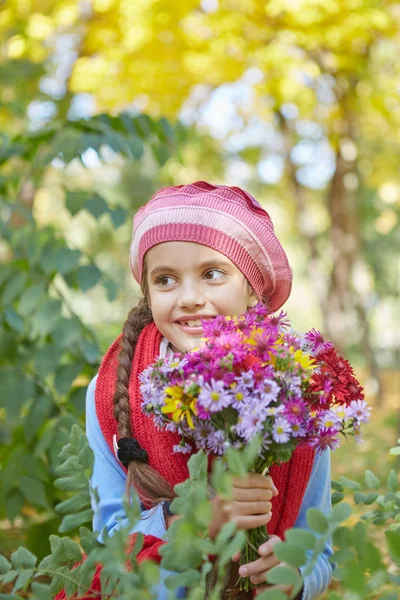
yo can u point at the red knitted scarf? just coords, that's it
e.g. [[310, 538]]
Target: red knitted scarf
[[290, 478]]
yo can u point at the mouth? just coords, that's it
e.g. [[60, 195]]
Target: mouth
[[192, 325]]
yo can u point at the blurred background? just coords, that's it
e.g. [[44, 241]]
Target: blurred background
[[103, 102]]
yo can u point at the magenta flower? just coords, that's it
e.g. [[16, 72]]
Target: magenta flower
[[295, 410], [279, 322], [317, 341], [326, 438]]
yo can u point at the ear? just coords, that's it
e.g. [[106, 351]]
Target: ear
[[253, 300]]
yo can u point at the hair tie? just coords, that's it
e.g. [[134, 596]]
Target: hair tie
[[129, 449]]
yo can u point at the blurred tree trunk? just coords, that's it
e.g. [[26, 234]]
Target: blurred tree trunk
[[341, 303]]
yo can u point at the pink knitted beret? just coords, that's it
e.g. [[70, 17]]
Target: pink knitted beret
[[225, 218]]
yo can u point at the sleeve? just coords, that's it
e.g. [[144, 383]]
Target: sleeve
[[109, 479], [317, 495]]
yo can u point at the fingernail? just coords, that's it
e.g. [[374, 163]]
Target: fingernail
[[276, 489], [243, 571]]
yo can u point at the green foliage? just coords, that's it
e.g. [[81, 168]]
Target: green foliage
[[361, 568], [47, 354]]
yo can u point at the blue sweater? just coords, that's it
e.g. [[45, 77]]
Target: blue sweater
[[110, 480]]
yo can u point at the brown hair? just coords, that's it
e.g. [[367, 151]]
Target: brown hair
[[149, 484]]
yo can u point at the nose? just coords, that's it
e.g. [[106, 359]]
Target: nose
[[190, 296]]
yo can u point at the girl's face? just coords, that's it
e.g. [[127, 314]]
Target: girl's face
[[186, 281]]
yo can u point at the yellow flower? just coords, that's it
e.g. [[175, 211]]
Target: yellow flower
[[176, 406], [305, 360]]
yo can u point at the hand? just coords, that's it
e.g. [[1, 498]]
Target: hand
[[258, 569], [250, 505]]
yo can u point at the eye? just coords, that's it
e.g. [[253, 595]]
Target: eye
[[222, 274], [161, 280]]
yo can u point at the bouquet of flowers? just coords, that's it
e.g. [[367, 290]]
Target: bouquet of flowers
[[255, 375]]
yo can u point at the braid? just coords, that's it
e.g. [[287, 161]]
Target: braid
[[150, 485], [137, 319]]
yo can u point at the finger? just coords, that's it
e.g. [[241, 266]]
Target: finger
[[251, 494], [253, 480], [259, 566], [247, 508], [268, 546], [236, 557], [251, 522]]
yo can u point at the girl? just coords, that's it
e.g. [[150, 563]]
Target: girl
[[197, 251]]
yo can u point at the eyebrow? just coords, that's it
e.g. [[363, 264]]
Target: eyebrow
[[203, 265]]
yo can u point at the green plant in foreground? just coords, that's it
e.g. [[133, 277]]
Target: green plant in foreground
[[363, 571]]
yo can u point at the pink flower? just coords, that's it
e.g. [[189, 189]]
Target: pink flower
[[317, 341], [326, 438]]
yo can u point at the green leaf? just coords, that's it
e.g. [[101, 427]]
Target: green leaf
[[272, 595], [23, 580], [46, 360], [65, 376], [33, 490], [348, 483], [235, 545], [135, 146], [342, 556], [283, 576], [97, 206], [74, 504], [75, 201], [14, 320], [317, 521], [23, 559], [41, 591], [14, 287], [66, 260], [5, 566], [88, 276], [395, 451], [31, 298], [13, 504], [90, 351], [361, 498], [118, 216], [198, 466], [67, 332], [73, 521], [45, 319], [111, 289], [337, 497], [372, 482], [236, 464], [291, 554], [392, 482], [303, 538], [224, 535], [335, 485], [187, 579], [342, 537], [393, 540], [340, 513]]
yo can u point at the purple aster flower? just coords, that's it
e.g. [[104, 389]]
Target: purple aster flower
[[251, 422], [214, 328], [245, 323], [328, 419], [269, 390], [216, 442], [214, 396], [264, 342], [298, 430], [294, 410], [279, 322], [281, 430], [246, 379], [182, 448], [203, 430], [240, 396], [260, 310], [360, 411], [274, 410], [326, 438], [317, 341]]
